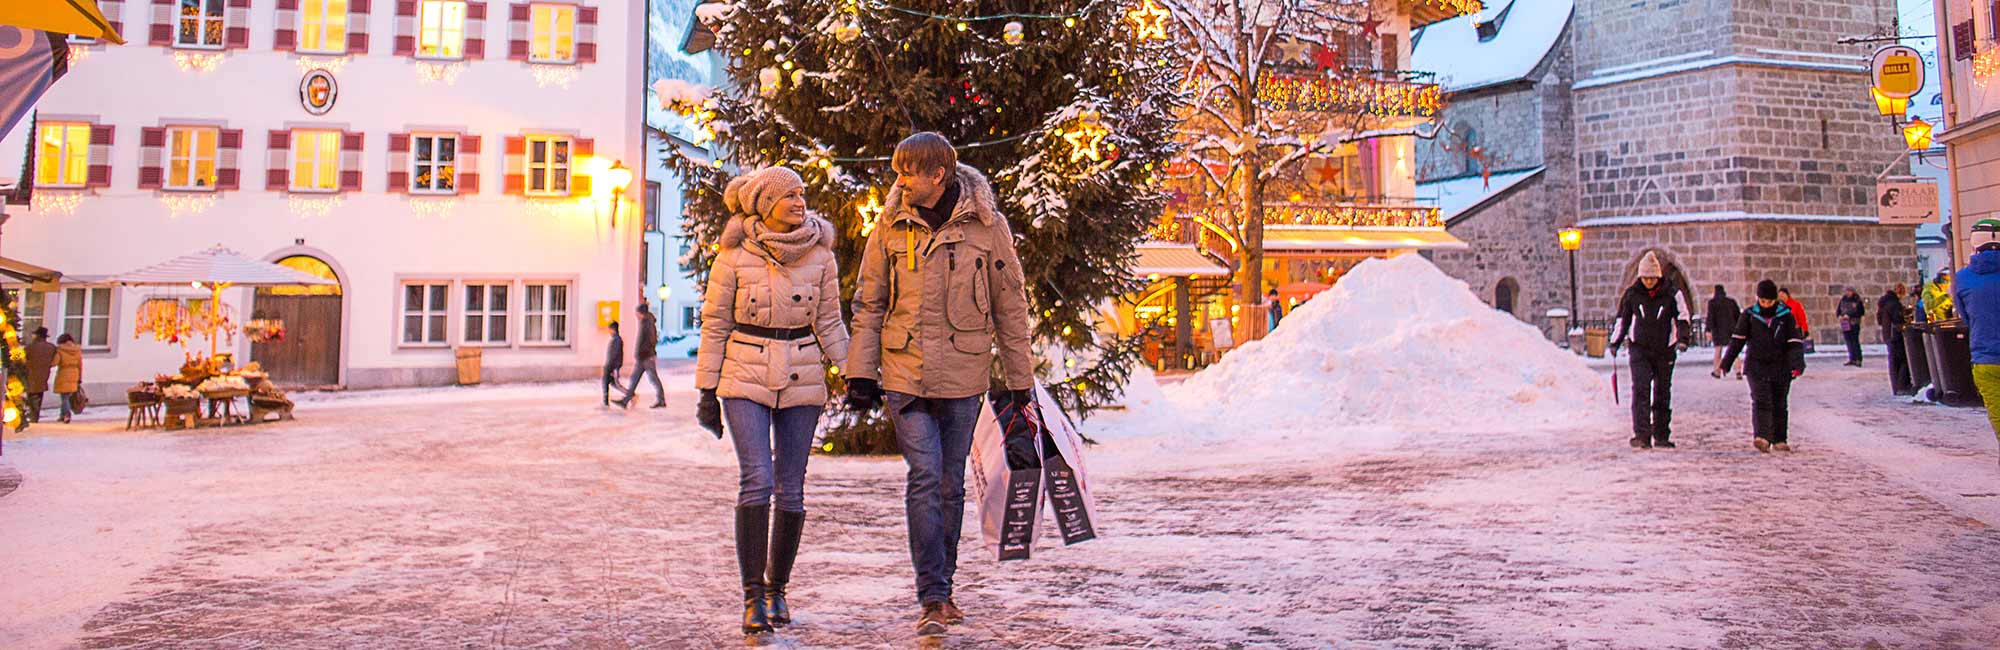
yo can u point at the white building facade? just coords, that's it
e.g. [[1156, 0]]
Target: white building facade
[[446, 161]]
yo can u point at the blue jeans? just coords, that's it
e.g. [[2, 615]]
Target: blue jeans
[[750, 428], [935, 436]]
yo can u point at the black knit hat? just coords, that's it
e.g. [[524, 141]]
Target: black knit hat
[[1767, 290]]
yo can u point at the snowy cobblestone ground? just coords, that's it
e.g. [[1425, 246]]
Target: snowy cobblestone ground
[[529, 518]]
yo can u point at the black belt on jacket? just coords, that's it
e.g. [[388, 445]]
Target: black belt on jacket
[[791, 334]]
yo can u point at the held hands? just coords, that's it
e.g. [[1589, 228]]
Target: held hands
[[863, 394], [709, 412]]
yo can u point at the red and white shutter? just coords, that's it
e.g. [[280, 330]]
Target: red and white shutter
[[228, 152], [114, 13], [399, 163], [475, 30], [586, 34], [579, 149], [152, 154], [518, 28], [350, 161], [285, 35], [468, 164], [406, 28], [98, 173], [278, 163], [357, 26], [237, 34], [166, 18], [516, 166]]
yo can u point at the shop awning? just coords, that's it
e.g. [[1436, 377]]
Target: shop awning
[[1317, 239], [218, 265], [1175, 260], [25, 272]]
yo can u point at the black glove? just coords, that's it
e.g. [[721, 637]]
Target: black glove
[[1019, 422], [709, 412], [1614, 347], [1022, 396], [863, 394]]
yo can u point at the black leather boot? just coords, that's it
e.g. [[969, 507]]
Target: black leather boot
[[753, 528], [785, 533]]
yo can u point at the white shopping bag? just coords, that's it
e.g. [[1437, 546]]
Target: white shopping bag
[[1010, 500]]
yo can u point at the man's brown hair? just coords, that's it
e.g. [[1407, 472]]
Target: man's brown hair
[[924, 152]]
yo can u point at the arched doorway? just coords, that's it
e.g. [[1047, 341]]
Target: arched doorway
[[1504, 295], [1673, 273], [309, 354]]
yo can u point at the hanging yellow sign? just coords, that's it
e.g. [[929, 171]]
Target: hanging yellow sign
[[1898, 71]]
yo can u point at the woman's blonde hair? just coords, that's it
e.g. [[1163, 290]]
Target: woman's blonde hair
[[924, 152]]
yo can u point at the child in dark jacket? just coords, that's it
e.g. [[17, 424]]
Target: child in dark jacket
[[1777, 356], [614, 359]]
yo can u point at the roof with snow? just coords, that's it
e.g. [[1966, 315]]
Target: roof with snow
[[1175, 260], [1521, 35], [1458, 197]]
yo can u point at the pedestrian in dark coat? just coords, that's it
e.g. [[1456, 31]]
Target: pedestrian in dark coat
[[1722, 313], [1849, 312], [643, 360], [1777, 356], [614, 360], [41, 364], [1654, 318], [1893, 317]]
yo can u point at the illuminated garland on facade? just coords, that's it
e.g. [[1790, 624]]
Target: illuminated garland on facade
[[1351, 94], [1337, 216]]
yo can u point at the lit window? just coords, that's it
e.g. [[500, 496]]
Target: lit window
[[191, 158], [201, 24], [434, 164], [486, 313], [315, 161], [546, 314], [424, 313], [548, 165], [325, 26], [552, 38], [441, 30], [63, 157], [87, 316]]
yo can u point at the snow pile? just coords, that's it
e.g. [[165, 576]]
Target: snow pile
[[1398, 344]]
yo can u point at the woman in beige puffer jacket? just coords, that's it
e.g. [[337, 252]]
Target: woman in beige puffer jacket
[[770, 323]]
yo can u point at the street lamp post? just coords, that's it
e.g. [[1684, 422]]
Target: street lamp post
[[1571, 239]]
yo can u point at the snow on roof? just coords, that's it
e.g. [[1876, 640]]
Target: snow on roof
[[1457, 196], [1175, 260], [1452, 48]]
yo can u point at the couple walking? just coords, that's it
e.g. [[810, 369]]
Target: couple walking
[[940, 285]]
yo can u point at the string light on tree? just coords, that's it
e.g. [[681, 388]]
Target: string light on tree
[[870, 210], [847, 32], [1149, 21], [1087, 139], [767, 82]]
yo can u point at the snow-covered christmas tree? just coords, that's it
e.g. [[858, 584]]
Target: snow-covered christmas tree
[[1068, 105]]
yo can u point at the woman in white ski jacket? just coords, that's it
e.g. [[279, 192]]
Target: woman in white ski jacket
[[770, 322]]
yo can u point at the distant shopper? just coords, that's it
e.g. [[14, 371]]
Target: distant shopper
[[1652, 315], [1937, 297], [1277, 307], [1722, 313], [643, 360], [1777, 356], [69, 372], [41, 362], [614, 360], [1849, 312], [1893, 318], [1977, 294], [1798, 316]]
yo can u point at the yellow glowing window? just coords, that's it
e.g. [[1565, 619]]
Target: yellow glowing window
[[315, 161], [191, 158], [441, 29], [552, 38], [63, 157], [325, 26]]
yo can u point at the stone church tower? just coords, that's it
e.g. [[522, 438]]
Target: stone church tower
[[1735, 138]]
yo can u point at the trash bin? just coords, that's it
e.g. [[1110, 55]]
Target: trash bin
[[1915, 354], [1949, 345], [1559, 326], [1594, 341], [468, 365]]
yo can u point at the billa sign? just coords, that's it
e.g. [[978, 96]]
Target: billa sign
[[317, 92], [1906, 204], [1898, 71]]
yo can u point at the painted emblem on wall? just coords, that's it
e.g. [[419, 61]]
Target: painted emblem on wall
[[317, 92]]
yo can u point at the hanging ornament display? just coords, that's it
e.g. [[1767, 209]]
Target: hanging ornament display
[[1086, 140], [1149, 21], [798, 76], [847, 32], [1011, 33], [165, 319], [767, 82]]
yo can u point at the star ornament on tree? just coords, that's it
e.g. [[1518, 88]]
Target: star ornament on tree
[[1149, 21], [1087, 139]]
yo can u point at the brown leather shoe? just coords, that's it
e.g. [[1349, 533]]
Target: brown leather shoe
[[952, 614], [932, 624]]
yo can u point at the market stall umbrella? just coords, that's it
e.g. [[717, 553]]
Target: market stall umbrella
[[79, 17], [216, 269]]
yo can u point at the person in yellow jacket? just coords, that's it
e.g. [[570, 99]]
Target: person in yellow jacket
[[1937, 297]]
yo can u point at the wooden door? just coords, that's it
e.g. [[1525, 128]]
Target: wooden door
[[310, 353]]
